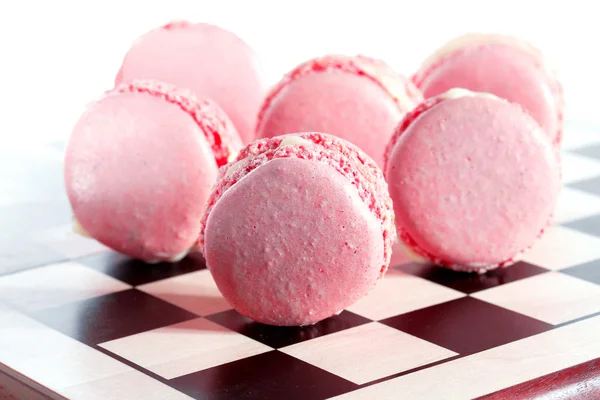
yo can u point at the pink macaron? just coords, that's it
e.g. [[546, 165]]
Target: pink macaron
[[358, 99], [505, 66], [474, 180], [298, 227], [139, 167], [210, 61]]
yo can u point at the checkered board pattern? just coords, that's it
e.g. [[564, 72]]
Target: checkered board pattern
[[82, 322]]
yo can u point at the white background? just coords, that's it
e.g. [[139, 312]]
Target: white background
[[56, 56]]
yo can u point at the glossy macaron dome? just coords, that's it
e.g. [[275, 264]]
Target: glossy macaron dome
[[505, 66], [207, 59], [140, 164], [297, 228], [358, 98], [474, 181]]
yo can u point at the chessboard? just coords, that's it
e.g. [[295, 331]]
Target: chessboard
[[78, 321]]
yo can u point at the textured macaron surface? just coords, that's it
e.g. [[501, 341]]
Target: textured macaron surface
[[346, 159], [218, 130], [139, 167], [294, 233], [474, 181], [206, 59], [505, 69], [356, 98]]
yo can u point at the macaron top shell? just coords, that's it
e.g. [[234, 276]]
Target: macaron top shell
[[345, 158], [139, 167], [356, 98], [474, 181], [502, 65], [298, 228], [218, 130], [295, 254], [208, 60], [403, 93]]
